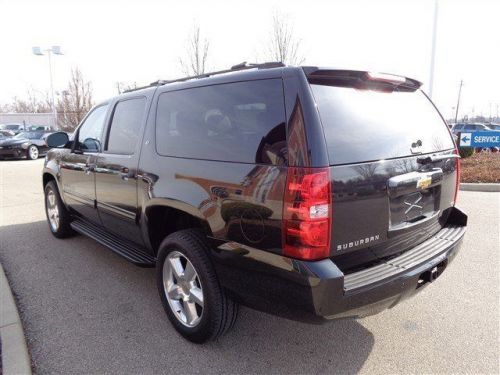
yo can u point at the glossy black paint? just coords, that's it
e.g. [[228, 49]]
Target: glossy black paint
[[366, 206], [144, 196]]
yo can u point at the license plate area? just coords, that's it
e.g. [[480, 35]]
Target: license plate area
[[414, 199], [411, 208]]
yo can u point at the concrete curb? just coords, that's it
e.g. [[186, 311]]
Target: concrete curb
[[480, 187], [15, 357]]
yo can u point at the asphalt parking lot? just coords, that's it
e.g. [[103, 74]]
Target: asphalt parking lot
[[86, 310]]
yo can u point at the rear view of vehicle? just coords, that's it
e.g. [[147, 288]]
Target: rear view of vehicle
[[390, 224], [306, 193]]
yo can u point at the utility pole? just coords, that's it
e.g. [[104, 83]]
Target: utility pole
[[433, 51], [458, 100]]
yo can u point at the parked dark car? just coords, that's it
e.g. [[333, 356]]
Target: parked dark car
[[16, 128], [29, 144], [309, 193], [7, 133], [472, 127]]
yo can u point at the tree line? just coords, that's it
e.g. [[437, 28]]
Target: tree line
[[76, 100]]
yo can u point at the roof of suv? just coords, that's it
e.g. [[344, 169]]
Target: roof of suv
[[245, 71], [236, 72]]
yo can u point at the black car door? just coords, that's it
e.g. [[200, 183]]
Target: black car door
[[116, 168], [78, 165]]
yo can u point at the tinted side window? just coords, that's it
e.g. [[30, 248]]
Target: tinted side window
[[240, 122], [90, 133], [125, 126]]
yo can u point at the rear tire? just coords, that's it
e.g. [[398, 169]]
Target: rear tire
[[196, 305], [58, 216]]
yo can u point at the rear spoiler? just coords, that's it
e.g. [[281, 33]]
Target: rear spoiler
[[360, 79]]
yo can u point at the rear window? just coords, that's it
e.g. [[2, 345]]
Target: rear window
[[239, 122], [367, 125]]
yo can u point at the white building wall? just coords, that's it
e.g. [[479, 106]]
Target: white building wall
[[45, 119]]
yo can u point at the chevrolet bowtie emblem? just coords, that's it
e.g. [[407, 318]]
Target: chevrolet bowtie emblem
[[424, 182]]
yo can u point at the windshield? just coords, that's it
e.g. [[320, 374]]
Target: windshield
[[11, 127], [494, 127], [368, 125]]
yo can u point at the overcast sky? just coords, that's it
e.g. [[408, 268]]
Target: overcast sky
[[141, 41]]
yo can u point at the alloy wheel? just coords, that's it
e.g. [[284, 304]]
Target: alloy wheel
[[52, 210], [33, 151], [183, 289]]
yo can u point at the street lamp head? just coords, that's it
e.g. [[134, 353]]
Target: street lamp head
[[56, 50], [37, 51]]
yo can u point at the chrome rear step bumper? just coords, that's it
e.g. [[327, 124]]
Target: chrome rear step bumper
[[426, 251]]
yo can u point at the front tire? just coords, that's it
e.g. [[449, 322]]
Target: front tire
[[58, 216], [32, 153], [195, 303]]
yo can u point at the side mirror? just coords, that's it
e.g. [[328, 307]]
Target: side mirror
[[59, 139]]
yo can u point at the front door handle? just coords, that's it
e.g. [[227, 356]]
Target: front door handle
[[125, 173], [89, 168]]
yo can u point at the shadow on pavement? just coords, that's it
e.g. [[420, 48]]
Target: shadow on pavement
[[86, 310]]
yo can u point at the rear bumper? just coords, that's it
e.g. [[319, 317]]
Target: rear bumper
[[319, 291]]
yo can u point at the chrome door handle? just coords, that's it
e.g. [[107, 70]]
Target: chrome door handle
[[89, 168], [125, 173]]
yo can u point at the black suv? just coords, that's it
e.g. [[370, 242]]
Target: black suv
[[308, 193]]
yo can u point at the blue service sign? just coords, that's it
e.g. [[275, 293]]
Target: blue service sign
[[480, 139]]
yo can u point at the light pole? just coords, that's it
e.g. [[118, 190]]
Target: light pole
[[458, 100], [433, 50], [56, 50]]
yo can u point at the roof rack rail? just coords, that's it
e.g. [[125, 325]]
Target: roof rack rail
[[242, 66]]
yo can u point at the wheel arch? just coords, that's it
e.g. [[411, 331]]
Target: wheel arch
[[47, 177], [162, 218]]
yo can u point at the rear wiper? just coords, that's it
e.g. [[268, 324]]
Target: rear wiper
[[434, 158]]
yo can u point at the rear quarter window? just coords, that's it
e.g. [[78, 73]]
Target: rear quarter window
[[368, 125], [238, 122]]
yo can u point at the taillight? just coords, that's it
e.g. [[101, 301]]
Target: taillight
[[457, 181], [307, 213]]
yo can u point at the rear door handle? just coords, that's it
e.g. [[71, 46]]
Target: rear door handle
[[404, 183]]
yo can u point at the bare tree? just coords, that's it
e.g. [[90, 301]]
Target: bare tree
[[195, 60], [283, 45], [74, 102], [31, 104]]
